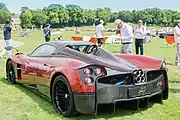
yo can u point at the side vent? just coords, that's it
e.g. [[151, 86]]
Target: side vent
[[19, 76]]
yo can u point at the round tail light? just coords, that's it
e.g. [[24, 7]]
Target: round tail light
[[88, 71], [89, 81], [98, 71]]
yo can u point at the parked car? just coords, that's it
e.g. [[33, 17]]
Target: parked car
[[79, 76]]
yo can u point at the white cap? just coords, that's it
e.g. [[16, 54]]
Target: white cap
[[101, 21], [118, 21], [140, 21]]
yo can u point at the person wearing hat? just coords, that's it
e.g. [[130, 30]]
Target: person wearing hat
[[100, 33], [139, 34], [126, 36], [47, 33], [118, 32], [177, 39]]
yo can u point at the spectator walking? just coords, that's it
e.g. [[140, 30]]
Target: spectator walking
[[7, 37], [177, 39], [139, 34], [99, 33], [126, 36], [47, 32]]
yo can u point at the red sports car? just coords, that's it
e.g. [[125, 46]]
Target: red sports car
[[79, 77]]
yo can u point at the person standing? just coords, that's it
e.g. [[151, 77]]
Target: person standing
[[100, 33], [139, 34], [7, 37], [126, 36], [177, 40], [47, 32]]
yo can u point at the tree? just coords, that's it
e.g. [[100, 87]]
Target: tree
[[53, 6], [26, 19], [24, 8], [38, 18], [113, 17], [73, 7], [103, 14], [2, 5], [126, 16], [4, 13], [74, 15], [63, 16], [90, 17]]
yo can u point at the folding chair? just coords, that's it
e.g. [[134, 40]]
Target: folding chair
[[77, 38], [104, 40], [93, 40], [170, 40]]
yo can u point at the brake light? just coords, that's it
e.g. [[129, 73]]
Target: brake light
[[89, 81], [98, 71], [88, 71]]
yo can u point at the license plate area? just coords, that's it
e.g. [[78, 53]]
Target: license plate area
[[139, 91]]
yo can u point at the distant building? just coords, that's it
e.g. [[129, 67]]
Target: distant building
[[16, 19]]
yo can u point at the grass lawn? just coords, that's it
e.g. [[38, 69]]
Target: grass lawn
[[18, 103]]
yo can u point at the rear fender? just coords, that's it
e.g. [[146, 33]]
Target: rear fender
[[74, 79]]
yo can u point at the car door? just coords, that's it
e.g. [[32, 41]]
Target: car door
[[41, 58], [26, 69], [29, 70]]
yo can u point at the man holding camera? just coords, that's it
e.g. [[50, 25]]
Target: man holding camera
[[126, 36]]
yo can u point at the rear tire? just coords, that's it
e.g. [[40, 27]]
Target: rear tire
[[10, 72], [62, 97]]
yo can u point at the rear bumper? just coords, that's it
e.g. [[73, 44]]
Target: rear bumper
[[85, 103], [112, 94], [138, 95]]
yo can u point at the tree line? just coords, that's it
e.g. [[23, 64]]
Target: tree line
[[73, 15], [4, 13]]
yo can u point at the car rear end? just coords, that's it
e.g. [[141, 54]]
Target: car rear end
[[138, 88], [129, 89]]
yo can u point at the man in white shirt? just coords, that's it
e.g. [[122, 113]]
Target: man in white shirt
[[99, 33], [126, 36], [139, 34], [177, 39]]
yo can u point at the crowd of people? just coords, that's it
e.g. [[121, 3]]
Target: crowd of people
[[124, 30], [126, 34]]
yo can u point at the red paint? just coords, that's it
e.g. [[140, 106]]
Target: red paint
[[41, 70], [143, 62]]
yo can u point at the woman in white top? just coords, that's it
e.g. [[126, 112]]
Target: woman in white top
[[139, 34]]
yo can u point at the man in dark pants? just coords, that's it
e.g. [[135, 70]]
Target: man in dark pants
[[47, 32], [139, 34], [99, 33]]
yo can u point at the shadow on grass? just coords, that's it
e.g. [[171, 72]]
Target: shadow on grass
[[174, 90], [171, 64], [48, 107], [167, 46], [174, 81]]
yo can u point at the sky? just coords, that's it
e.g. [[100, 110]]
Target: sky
[[115, 5]]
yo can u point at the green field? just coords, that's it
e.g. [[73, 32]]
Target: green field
[[18, 103]]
